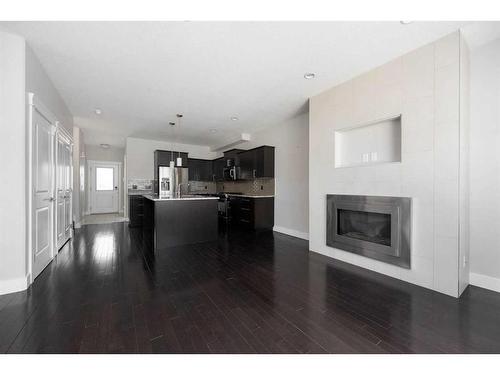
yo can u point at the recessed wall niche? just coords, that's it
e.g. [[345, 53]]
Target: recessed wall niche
[[372, 143]]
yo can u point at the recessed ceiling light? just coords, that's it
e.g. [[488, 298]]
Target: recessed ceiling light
[[213, 130], [309, 75], [104, 145], [405, 22], [97, 111], [234, 118]]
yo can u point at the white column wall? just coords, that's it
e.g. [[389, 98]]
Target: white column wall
[[13, 177]]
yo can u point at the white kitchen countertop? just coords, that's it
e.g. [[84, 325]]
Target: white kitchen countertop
[[156, 198], [251, 196], [139, 192]]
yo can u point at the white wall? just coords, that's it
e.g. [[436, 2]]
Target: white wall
[[464, 169], [423, 86], [94, 152], [79, 165], [20, 72], [140, 155], [13, 249], [485, 166], [40, 84], [291, 203]]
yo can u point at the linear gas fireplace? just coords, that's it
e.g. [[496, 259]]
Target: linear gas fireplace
[[375, 227]]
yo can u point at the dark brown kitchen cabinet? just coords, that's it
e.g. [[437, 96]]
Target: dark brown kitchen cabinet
[[231, 157], [247, 165], [164, 157], [257, 163], [218, 168], [136, 210], [200, 170], [252, 213]]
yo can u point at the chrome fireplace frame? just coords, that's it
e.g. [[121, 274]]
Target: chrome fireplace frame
[[399, 208]]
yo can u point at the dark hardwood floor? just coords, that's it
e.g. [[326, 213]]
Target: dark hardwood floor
[[246, 293]]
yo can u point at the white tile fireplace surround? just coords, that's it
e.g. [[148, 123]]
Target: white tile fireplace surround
[[428, 87]]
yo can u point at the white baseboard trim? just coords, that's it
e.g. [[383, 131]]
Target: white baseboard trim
[[291, 232], [483, 281], [13, 285]]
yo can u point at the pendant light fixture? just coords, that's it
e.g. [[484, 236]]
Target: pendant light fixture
[[172, 124], [179, 158]]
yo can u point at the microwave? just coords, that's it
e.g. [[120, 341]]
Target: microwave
[[231, 173]]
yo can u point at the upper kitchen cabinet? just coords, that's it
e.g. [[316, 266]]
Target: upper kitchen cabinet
[[218, 168], [200, 170], [257, 163], [164, 157], [231, 157]]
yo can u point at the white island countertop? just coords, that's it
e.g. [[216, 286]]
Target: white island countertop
[[251, 196]]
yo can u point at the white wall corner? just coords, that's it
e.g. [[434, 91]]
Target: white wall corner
[[483, 281], [14, 285], [291, 232]]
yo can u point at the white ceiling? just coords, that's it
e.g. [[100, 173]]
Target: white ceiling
[[142, 73]]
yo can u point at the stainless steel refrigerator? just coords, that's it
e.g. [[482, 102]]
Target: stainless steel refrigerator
[[172, 181]]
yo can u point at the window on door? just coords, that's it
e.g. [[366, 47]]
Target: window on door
[[104, 178]]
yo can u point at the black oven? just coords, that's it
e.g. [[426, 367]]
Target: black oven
[[224, 206]]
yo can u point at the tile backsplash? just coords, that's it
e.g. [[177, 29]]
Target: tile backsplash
[[140, 183], [202, 187], [259, 186]]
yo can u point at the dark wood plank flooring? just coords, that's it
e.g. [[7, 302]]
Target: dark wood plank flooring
[[245, 293]]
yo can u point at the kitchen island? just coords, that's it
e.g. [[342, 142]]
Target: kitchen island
[[179, 221]]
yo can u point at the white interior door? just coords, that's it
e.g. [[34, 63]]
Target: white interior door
[[68, 190], [43, 200], [60, 193], [63, 190], [104, 188]]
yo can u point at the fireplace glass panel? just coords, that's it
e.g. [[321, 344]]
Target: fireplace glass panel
[[366, 226]]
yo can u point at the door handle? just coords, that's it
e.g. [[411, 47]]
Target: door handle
[[49, 199]]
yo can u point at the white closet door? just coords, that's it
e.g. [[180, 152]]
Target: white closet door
[[60, 191], [43, 200], [63, 190], [68, 191]]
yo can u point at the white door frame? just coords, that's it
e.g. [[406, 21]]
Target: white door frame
[[92, 164]]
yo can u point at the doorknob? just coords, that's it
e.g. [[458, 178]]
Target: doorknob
[[49, 199]]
